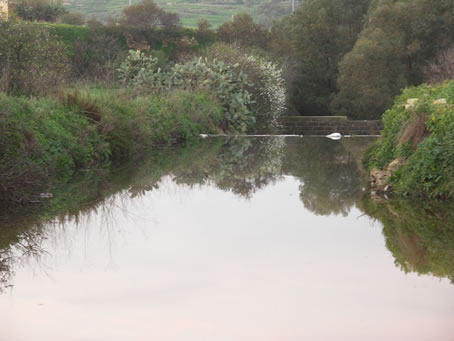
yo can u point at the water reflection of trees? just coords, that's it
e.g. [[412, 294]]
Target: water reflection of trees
[[240, 165], [329, 183], [329, 175], [421, 238], [419, 235], [328, 171], [20, 239]]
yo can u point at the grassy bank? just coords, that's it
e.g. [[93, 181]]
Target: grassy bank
[[419, 135], [49, 138]]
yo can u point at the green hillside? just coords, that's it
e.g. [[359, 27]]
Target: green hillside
[[190, 11]]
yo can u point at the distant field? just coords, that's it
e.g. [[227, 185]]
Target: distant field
[[190, 12]]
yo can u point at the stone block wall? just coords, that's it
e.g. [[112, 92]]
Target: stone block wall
[[325, 125]]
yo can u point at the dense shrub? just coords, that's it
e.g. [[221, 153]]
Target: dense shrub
[[251, 103], [421, 133], [32, 60], [97, 51], [39, 10], [135, 63], [267, 84], [227, 86]]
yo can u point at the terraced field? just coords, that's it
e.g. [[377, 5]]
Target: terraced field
[[190, 12]]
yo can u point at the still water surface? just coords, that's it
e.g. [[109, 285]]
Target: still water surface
[[229, 239]]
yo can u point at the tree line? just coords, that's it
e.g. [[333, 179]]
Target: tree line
[[352, 57], [344, 57]]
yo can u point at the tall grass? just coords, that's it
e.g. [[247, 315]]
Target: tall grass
[[49, 138]]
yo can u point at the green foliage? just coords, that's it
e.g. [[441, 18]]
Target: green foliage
[[46, 138], [429, 166], [32, 61], [266, 82], [39, 10], [96, 51], [229, 87], [184, 114], [392, 51], [136, 62], [316, 37], [70, 33]]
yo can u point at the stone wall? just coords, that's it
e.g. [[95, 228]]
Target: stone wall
[[3, 9], [325, 125]]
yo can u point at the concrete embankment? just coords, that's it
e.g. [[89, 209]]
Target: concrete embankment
[[324, 125]]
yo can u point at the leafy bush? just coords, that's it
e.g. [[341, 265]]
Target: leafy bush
[[429, 159], [135, 63], [227, 86], [39, 10], [267, 84], [32, 60]]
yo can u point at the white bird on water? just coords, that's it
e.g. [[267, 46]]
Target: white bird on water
[[334, 136]]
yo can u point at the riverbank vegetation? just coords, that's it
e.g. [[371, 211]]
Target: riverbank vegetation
[[76, 97], [46, 139], [418, 141], [419, 235], [341, 57]]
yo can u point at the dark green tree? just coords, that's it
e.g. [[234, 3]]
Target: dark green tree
[[400, 38], [321, 33]]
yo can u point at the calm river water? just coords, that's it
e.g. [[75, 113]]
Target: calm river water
[[244, 239]]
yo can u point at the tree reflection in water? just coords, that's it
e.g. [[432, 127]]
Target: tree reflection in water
[[330, 183], [419, 235]]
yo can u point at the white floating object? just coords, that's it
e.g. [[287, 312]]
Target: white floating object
[[334, 136], [203, 136], [46, 195]]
